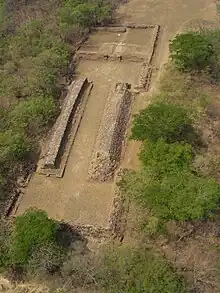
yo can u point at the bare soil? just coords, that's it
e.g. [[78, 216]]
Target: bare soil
[[195, 253], [73, 198]]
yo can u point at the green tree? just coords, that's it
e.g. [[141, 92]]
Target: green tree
[[191, 51], [13, 146], [182, 196], [136, 271], [164, 158], [31, 231], [33, 115], [161, 121], [86, 13]]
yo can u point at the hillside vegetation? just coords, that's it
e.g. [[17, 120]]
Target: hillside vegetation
[[176, 191], [38, 39]]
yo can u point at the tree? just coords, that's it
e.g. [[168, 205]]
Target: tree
[[164, 158], [136, 271], [182, 196], [86, 13], [31, 231], [13, 146], [191, 51], [161, 121], [33, 115]]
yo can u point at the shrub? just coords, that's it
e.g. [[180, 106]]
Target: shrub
[[30, 40], [191, 51], [46, 259], [31, 231], [182, 196], [161, 121], [213, 37], [5, 231], [34, 114], [164, 158], [86, 13], [137, 270], [13, 146]]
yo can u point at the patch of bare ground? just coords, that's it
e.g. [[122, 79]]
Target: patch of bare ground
[[74, 198], [193, 248]]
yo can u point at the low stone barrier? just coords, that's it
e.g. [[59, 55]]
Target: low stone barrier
[[116, 29], [74, 92], [107, 151]]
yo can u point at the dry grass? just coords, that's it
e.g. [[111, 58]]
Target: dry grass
[[7, 287]]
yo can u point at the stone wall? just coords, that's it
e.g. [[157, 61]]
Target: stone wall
[[74, 92], [107, 151]]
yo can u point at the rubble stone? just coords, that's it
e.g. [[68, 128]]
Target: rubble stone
[[110, 137]]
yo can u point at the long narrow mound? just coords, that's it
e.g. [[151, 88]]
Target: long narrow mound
[[111, 134], [60, 126]]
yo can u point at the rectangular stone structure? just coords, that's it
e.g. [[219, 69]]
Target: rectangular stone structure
[[74, 92], [108, 147]]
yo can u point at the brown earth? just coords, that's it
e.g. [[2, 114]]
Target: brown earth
[[73, 198]]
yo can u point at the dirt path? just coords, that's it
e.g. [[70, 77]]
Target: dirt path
[[73, 198]]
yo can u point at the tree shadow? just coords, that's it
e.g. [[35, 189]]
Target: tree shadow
[[67, 236], [193, 137]]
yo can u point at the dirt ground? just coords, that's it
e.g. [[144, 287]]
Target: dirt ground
[[193, 249], [72, 198]]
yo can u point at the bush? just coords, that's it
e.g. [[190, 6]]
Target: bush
[[46, 259], [191, 51], [164, 158], [86, 13], [33, 115], [213, 37], [13, 146], [161, 121], [136, 271], [31, 231], [182, 196], [5, 231]]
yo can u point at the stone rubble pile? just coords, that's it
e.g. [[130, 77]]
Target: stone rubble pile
[[107, 151]]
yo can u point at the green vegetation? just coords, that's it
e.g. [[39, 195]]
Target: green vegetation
[[31, 239], [136, 271], [164, 158], [191, 51], [36, 45], [31, 231], [85, 13], [33, 246], [34, 56], [197, 51], [167, 183], [33, 115], [182, 196], [161, 121]]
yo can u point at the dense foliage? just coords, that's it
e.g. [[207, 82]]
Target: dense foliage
[[182, 196], [191, 51], [31, 231], [36, 44], [85, 13], [136, 271], [31, 244], [167, 183], [164, 158], [161, 121]]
